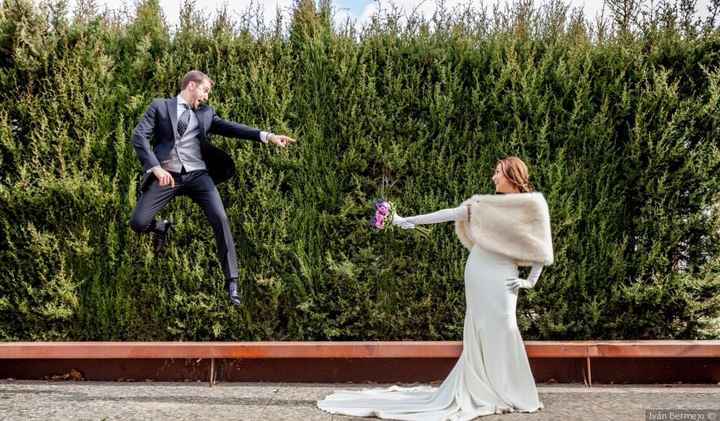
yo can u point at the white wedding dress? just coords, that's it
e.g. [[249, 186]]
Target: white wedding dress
[[492, 375]]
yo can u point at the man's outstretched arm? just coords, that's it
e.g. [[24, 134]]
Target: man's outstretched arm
[[241, 131]]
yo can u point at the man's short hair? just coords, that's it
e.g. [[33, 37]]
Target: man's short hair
[[194, 76]]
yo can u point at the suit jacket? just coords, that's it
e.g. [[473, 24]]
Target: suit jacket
[[155, 136]]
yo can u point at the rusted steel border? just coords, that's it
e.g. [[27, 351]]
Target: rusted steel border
[[379, 349], [228, 350], [585, 351], [655, 349]]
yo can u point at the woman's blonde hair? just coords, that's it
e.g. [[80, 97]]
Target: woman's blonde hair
[[515, 170]]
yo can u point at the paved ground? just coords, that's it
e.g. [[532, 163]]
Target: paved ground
[[43, 400]]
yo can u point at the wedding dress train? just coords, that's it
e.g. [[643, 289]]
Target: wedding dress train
[[492, 374]]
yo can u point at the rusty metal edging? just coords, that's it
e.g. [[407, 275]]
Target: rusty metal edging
[[362, 361]]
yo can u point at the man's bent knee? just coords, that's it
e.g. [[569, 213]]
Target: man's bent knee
[[140, 225]]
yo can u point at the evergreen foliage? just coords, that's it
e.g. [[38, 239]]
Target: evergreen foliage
[[618, 121]]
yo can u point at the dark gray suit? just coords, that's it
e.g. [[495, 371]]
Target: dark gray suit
[[158, 128]]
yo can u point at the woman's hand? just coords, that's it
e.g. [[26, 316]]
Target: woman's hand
[[402, 222], [513, 284]]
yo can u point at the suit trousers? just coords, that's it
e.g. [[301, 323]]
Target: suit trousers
[[202, 190]]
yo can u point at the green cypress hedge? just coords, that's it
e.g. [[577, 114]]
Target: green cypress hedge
[[620, 133]]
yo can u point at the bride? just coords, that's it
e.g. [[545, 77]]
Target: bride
[[492, 375]]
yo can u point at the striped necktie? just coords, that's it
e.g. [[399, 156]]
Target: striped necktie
[[184, 120]]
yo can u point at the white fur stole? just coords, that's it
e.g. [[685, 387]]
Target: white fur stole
[[516, 225]]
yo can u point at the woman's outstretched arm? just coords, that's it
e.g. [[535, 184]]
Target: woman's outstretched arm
[[444, 215]]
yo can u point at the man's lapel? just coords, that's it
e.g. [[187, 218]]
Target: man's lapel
[[200, 115], [172, 112]]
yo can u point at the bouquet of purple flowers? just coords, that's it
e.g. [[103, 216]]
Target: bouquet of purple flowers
[[384, 212]]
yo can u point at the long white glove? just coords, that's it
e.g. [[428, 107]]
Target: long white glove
[[444, 215], [514, 283]]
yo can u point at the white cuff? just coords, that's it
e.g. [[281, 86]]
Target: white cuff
[[265, 136]]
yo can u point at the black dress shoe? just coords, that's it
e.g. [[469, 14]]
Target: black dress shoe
[[160, 236], [232, 290]]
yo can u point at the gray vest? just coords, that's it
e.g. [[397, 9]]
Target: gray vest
[[186, 152]]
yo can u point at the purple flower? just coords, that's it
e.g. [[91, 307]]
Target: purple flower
[[376, 223], [380, 218], [383, 208], [383, 214]]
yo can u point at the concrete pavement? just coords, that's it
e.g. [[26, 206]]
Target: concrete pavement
[[65, 400]]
